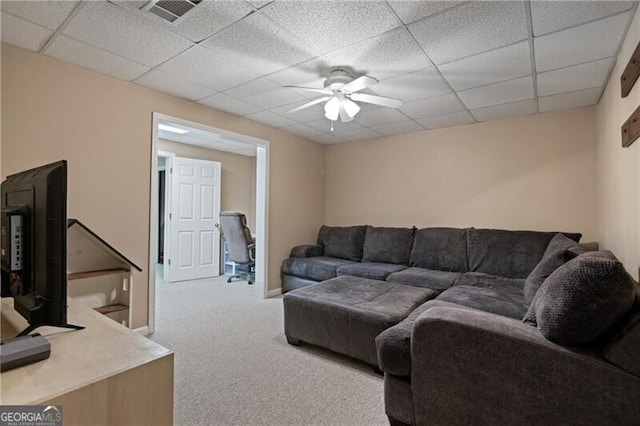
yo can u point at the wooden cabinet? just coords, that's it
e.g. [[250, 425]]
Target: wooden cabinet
[[98, 275]]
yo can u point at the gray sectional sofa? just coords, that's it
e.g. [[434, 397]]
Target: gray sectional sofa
[[512, 327]]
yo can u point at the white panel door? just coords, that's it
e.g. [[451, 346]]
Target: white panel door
[[194, 251]]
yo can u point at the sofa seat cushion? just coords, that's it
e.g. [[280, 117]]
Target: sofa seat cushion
[[394, 344], [370, 270], [314, 268], [511, 254], [428, 278], [345, 314], [502, 284], [442, 249], [343, 242], [388, 245], [495, 301]]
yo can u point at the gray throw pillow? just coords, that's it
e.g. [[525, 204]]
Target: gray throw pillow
[[582, 299], [561, 242], [549, 263]]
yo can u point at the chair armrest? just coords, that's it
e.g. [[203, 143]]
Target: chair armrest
[[252, 251], [473, 367], [307, 250]]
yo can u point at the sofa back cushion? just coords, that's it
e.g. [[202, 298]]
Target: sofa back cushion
[[511, 254], [583, 299], [441, 249], [343, 242], [388, 245]]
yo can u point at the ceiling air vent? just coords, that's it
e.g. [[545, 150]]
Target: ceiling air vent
[[171, 10]]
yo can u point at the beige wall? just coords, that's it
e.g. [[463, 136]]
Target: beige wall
[[238, 186], [102, 126], [536, 172], [619, 168]]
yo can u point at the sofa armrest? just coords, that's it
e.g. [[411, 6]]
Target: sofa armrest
[[307, 250], [473, 367]]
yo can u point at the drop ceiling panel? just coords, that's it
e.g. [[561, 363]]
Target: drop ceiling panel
[[338, 126], [202, 67], [327, 139], [264, 93], [176, 86], [384, 56], [447, 120], [569, 100], [410, 11], [271, 119], [509, 110], [471, 28], [417, 85], [117, 30], [327, 25], [432, 107], [258, 4], [311, 73], [23, 33], [585, 76], [302, 130], [78, 53], [359, 134], [499, 93], [257, 43], [48, 14], [502, 64], [549, 16], [397, 128], [229, 104], [380, 116], [576, 45]]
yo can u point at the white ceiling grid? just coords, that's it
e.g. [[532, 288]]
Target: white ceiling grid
[[451, 62]]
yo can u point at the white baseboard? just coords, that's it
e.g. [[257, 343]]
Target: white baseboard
[[142, 330], [275, 292]]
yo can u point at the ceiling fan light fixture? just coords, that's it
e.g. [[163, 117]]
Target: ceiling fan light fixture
[[332, 109], [350, 107]]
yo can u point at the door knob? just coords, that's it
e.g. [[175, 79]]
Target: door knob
[[217, 225]]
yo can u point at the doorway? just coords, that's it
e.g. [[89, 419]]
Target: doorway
[[223, 140]]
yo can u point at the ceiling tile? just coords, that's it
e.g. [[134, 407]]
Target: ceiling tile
[[380, 116], [265, 93], [313, 113], [509, 110], [327, 139], [585, 76], [548, 16], [432, 107], [78, 53], [207, 18], [576, 45], [410, 11], [257, 43], [447, 120], [258, 3], [390, 54], [339, 127], [118, 30], [417, 85], [176, 86], [311, 73], [230, 104], [204, 68], [502, 64], [335, 24], [499, 93], [471, 28], [390, 129], [22, 33], [359, 134], [49, 14], [569, 100], [271, 119], [302, 130]]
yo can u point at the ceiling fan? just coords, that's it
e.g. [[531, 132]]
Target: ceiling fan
[[340, 92]]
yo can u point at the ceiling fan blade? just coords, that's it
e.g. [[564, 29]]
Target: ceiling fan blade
[[311, 89], [308, 104], [344, 116], [377, 100], [360, 83]]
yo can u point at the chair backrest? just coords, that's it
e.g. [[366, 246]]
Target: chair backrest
[[238, 236]]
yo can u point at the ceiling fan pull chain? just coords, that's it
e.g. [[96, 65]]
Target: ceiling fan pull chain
[[332, 125]]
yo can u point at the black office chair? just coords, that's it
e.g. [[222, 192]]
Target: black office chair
[[240, 245]]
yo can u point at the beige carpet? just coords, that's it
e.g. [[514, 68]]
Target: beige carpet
[[234, 366]]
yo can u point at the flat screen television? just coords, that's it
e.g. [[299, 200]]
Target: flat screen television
[[34, 244]]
